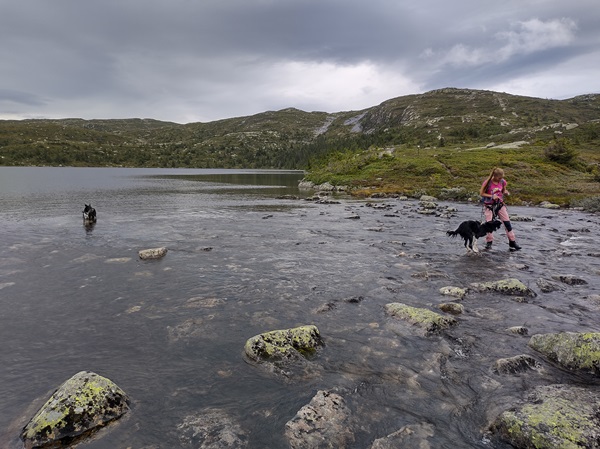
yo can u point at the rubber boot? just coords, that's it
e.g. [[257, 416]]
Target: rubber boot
[[513, 245]]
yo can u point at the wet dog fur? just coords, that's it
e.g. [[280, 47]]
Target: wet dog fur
[[471, 230], [89, 214]]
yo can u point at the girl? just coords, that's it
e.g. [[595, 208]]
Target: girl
[[493, 190]]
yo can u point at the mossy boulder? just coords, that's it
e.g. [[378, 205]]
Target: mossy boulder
[[430, 322], [555, 417], [571, 350], [512, 287], [82, 404], [284, 344]]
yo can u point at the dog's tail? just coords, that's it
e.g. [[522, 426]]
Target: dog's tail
[[452, 233]]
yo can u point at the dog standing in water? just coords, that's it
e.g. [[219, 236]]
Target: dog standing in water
[[471, 230], [89, 214]]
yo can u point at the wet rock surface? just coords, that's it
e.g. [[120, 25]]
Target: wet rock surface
[[555, 416], [323, 423], [82, 404], [572, 350], [428, 321]]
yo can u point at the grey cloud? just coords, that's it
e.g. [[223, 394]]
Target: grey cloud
[[221, 58]]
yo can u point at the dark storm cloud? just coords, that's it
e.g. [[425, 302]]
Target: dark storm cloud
[[185, 60]]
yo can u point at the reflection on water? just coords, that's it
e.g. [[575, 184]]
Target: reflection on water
[[171, 332]]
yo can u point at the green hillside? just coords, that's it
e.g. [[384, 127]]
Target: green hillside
[[431, 142]]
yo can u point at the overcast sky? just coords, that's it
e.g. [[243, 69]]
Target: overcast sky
[[204, 60]]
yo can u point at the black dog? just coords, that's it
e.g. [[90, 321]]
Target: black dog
[[471, 230], [89, 214]]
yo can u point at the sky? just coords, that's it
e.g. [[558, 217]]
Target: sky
[[203, 60]]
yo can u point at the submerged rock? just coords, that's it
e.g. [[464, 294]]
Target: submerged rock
[[513, 287], [569, 279], [556, 416], [82, 404], [411, 436], [323, 423], [211, 429], [427, 320], [452, 307], [570, 350], [152, 253], [284, 344]]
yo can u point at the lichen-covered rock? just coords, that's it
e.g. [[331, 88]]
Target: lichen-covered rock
[[513, 287], [321, 424], [284, 344], [556, 416], [570, 349], [516, 364], [83, 403], [152, 253], [455, 292], [428, 321]]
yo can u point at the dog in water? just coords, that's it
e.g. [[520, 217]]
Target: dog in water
[[89, 214], [471, 230]]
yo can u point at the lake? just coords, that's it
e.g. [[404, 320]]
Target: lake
[[242, 259]]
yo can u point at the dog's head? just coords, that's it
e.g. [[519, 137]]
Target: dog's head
[[491, 226], [87, 208]]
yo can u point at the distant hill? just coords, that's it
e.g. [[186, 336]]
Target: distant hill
[[446, 120]]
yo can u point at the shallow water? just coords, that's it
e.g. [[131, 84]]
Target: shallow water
[[241, 261]]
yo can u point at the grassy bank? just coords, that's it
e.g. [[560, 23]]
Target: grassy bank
[[532, 175]]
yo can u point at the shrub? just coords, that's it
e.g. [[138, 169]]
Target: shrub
[[560, 151]]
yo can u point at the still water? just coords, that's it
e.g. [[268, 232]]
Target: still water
[[242, 261]]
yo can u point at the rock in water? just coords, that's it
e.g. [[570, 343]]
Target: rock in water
[[555, 416], [321, 424], [152, 253], [571, 350], [83, 403], [284, 344]]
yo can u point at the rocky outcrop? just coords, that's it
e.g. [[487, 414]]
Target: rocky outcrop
[[321, 424], [284, 344], [555, 416], [512, 287], [571, 350], [82, 404], [152, 253], [428, 321]]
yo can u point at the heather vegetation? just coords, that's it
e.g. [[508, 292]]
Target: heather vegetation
[[442, 143]]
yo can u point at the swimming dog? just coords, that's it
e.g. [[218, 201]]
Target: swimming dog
[[89, 214], [471, 230]]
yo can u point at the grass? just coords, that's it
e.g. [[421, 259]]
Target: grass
[[532, 177]]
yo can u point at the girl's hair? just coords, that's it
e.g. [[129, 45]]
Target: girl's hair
[[496, 171]]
